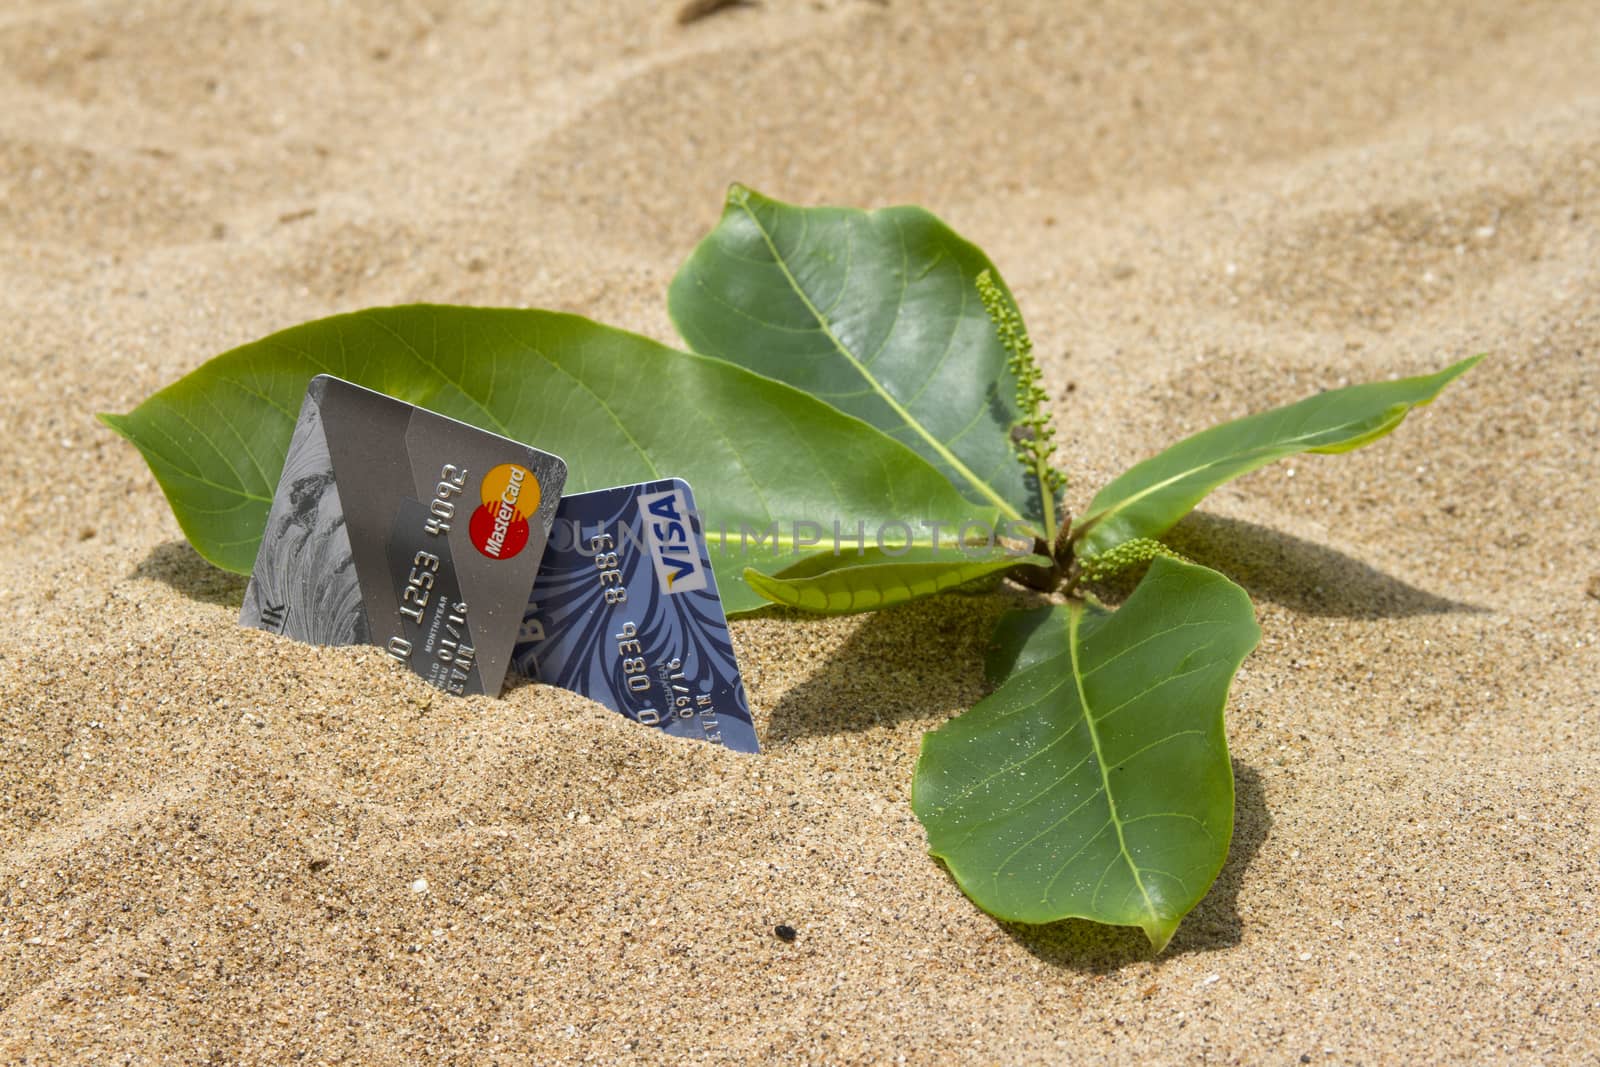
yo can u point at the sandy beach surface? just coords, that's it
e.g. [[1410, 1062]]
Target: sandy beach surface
[[217, 846]]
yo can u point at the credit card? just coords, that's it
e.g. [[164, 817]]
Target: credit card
[[401, 528], [626, 613]]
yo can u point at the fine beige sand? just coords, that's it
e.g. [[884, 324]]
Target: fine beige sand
[[217, 846]]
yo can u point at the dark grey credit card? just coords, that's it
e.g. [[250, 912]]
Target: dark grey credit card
[[398, 527]]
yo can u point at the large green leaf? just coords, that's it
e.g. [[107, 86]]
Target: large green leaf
[[1151, 496], [839, 585], [1095, 782], [878, 314], [762, 456]]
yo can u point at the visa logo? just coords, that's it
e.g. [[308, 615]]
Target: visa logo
[[673, 548]]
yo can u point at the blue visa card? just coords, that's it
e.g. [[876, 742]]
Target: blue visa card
[[626, 613]]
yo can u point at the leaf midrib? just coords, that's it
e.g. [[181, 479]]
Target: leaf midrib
[[1074, 617], [119, 423], [827, 330]]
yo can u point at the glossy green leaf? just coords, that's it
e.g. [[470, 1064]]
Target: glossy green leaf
[[766, 461], [839, 585], [878, 314], [1095, 782], [1150, 497]]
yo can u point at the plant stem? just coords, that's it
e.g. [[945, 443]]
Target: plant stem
[[1044, 579], [1041, 471]]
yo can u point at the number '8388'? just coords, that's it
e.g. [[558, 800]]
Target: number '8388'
[[605, 560]]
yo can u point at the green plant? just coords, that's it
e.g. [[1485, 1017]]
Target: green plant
[[871, 371]]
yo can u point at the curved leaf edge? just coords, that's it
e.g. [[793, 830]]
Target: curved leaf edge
[[125, 424], [119, 425], [1091, 521], [740, 197], [1157, 932]]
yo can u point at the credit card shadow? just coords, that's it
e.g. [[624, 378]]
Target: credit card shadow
[[178, 566]]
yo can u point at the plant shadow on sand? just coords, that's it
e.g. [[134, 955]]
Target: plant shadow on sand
[[931, 652], [921, 661], [182, 569], [949, 636], [1302, 575], [925, 661]]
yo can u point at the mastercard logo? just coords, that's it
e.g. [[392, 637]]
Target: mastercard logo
[[499, 528]]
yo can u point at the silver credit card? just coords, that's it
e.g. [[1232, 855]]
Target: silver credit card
[[398, 527]]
